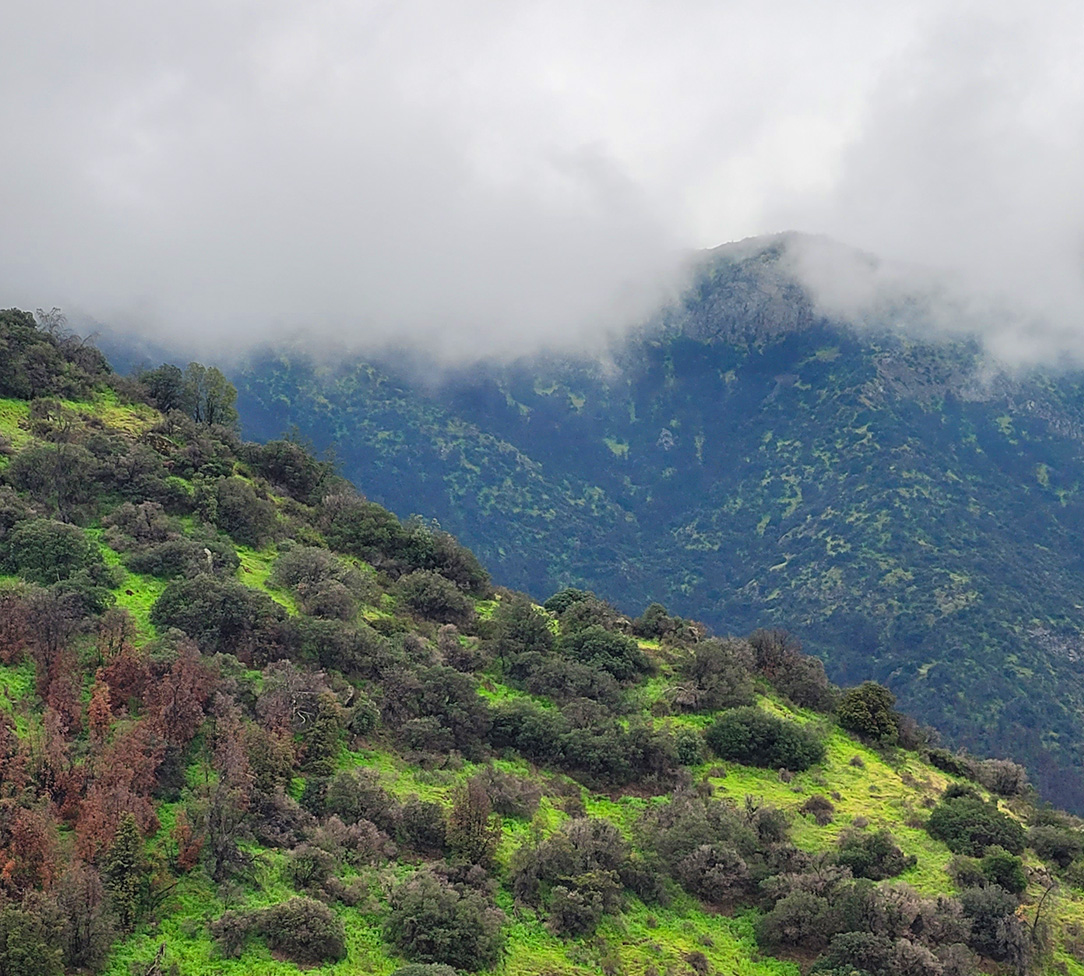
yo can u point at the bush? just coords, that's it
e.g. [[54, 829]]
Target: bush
[[969, 826], [801, 919], [868, 710], [430, 595], [875, 856], [1057, 844], [618, 655], [304, 930], [1001, 868], [218, 614], [574, 874], [45, 551], [241, 513], [720, 673], [755, 738], [820, 808], [433, 921], [425, 969]]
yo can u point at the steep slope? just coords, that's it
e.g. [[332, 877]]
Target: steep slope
[[251, 722], [911, 511]]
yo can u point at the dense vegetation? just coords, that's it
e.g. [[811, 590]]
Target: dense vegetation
[[913, 511], [251, 721]]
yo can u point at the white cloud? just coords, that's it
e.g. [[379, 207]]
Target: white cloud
[[497, 175]]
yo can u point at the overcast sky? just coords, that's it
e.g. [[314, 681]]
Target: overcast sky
[[496, 175]]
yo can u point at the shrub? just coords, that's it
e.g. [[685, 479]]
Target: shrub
[[992, 911], [1001, 868], [868, 710], [219, 614], [820, 808], [875, 856], [238, 511], [1057, 844], [720, 673], [714, 872], [433, 921], [801, 919], [304, 930], [689, 744], [563, 599], [430, 595], [425, 969], [45, 551], [969, 826], [618, 655], [511, 795], [755, 738], [574, 873]]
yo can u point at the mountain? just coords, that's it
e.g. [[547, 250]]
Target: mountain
[[909, 508], [251, 722]]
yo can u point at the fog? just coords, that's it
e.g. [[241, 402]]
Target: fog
[[496, 177]]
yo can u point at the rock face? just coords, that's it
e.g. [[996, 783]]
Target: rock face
[[911, 511]]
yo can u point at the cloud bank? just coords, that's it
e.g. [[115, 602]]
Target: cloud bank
[[495, 177]]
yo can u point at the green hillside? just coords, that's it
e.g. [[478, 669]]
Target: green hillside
[[254, 723], [910, 509]]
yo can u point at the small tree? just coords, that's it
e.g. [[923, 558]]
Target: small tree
[[474, 832], [868, 710]]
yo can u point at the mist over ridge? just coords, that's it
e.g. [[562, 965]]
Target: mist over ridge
[[499, 178]]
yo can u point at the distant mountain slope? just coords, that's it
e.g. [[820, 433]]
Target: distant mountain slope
[[909, 513]]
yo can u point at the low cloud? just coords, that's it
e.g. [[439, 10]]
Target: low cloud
[[497, 177]]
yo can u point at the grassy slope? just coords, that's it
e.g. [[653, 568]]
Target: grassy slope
[[887, 792]]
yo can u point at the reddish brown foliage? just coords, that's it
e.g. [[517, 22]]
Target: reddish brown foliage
[[99, 712], [30, 856], [188, 843], [177, 698], [14, 629]]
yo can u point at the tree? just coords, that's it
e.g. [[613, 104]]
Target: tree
[[868, 710], [434, 921], [474, 832], [126, 873], [753, 737], [211, 396]]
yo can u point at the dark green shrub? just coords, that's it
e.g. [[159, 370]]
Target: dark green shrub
[[800, 920], [563, 599], [1001, 868], [45, 551], [239, 512], [430, 595], [689, 744], [720, 673], [992, 911], [714, 872], [875, 855], [422, 826], [425, 969], [291, 467], [184, 557], [510, 795], [969, 826], [868, 710], [304, 930], [434, 921], [219, 614], [574, 874], [604, 650], [530, 729], [1057, 844], [755, 738]]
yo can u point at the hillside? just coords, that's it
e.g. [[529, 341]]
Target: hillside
[[253, 722], [908, 508]]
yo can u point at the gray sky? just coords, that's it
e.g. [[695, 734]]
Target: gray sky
[[491, 176]]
